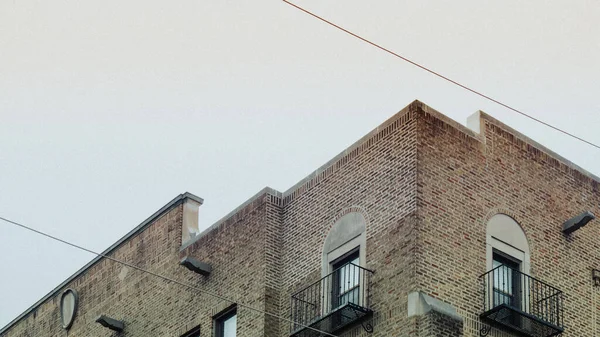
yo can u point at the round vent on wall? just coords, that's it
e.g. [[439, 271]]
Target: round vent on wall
[[68, 307]]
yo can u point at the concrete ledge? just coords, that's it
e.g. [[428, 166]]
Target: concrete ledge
[[420, 304]]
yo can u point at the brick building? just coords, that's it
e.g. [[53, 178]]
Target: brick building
[[423, 227]]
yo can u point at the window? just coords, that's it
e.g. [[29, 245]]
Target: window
[[346, 279], [346, 234], [506, 236], [508, 261], [506, 280], [195, 332], [513, 300], [226, 323], [341, 297]]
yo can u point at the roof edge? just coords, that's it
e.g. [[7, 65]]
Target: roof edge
[[139, 228], [485, 116], [451, 122], [475, 129], [217, 224], [416, 104]]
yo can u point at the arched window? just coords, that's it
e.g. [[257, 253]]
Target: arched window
[[508, 261], [506, 240], [345, 242], [513, 300], [344, 251], [341, 296]]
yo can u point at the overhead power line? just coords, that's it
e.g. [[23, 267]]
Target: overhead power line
[[165, 278], [440, 75]]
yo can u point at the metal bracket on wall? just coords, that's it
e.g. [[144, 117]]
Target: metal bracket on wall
[[596, 277], [485, 329], [366, 326]]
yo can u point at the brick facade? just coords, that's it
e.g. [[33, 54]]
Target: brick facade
[[426, 187], [464, 179]]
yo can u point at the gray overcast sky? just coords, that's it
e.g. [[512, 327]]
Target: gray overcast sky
[[109, 109]]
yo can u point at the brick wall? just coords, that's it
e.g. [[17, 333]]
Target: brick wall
[[236, 251], [426, 186], [464, 179], [152, 307], [141, 300], [377, 177], [435, 324]]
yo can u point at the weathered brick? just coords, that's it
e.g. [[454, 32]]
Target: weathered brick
[[426, 186]]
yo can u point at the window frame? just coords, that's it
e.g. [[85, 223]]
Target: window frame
[[195, 331], [513, 294], [220, 319], [336, 265], [354, 245], [504, 257], [350, 255], [346, 233], [505, 234]]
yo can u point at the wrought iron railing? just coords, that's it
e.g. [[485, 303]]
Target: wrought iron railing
[[335, 301], [519, 302]]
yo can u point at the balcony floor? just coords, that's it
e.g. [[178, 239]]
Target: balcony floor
[[523, 324], [335, 320]]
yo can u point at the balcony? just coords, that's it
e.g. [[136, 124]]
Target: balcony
[[336, 301], [521, 304]]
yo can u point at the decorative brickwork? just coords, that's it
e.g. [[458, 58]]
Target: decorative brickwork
[[348, 210]]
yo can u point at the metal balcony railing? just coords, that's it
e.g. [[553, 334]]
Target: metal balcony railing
[[332, 303], [520, 303]]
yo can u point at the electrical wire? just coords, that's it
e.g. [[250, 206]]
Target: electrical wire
[[440, 75], [223, 298], [259, 310]]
